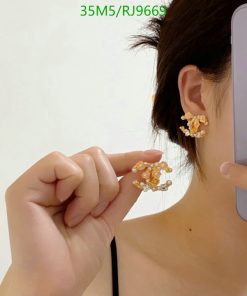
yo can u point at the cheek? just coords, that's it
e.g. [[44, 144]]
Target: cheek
[[225, 129]]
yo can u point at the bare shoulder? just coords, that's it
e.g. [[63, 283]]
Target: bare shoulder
[[132, 237]]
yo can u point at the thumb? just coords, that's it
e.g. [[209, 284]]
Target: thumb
[[226, 169], [127, 196], [236, 173]]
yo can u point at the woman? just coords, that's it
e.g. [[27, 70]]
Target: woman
[[62, 223]]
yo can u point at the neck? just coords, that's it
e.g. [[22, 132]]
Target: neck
[[207, 219]]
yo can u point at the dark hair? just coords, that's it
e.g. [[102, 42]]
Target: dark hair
[[196, 32]]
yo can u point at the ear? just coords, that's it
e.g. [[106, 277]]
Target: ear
[[190, 85]]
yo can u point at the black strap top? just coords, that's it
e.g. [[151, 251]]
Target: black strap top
[[114, 268]]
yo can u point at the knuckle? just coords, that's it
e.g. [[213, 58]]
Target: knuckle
[[56, 155], [109, 190], [77, 171], [97, 150], [114, 188], [93, 201], [9, 193], [87, 158]]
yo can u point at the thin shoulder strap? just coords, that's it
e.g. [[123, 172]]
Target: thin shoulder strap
[[114, 268]]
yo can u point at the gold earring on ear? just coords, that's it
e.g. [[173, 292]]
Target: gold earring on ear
[[194, 123]]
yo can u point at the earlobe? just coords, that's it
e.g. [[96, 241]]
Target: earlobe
[[190, 84]]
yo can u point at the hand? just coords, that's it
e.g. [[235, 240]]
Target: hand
[[235, 172], [47, 243]]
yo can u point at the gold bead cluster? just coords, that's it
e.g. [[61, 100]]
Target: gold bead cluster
[[152, 171], [194, 123], [151, 174]]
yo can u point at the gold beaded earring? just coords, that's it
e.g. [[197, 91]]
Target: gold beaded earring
[[151, 175], [194, 123]]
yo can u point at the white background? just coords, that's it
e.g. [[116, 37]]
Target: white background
[[69, 82]]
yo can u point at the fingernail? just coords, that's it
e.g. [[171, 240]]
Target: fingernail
[[153, 151], [225, 168]]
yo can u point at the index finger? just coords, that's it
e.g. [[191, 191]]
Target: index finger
[[122, 163]]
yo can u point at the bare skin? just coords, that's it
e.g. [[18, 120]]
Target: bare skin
[[59, 231], [196, 247], [199, 245], [218, 237]]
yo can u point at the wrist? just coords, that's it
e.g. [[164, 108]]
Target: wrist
[[16, 282]]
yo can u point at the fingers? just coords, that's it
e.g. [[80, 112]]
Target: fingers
[[107, 167], [37, 183], [89, 177], [122, 163], [86, 195], [236, 173], [128, 195], [108, 182], [107, 176], [99, 186]]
